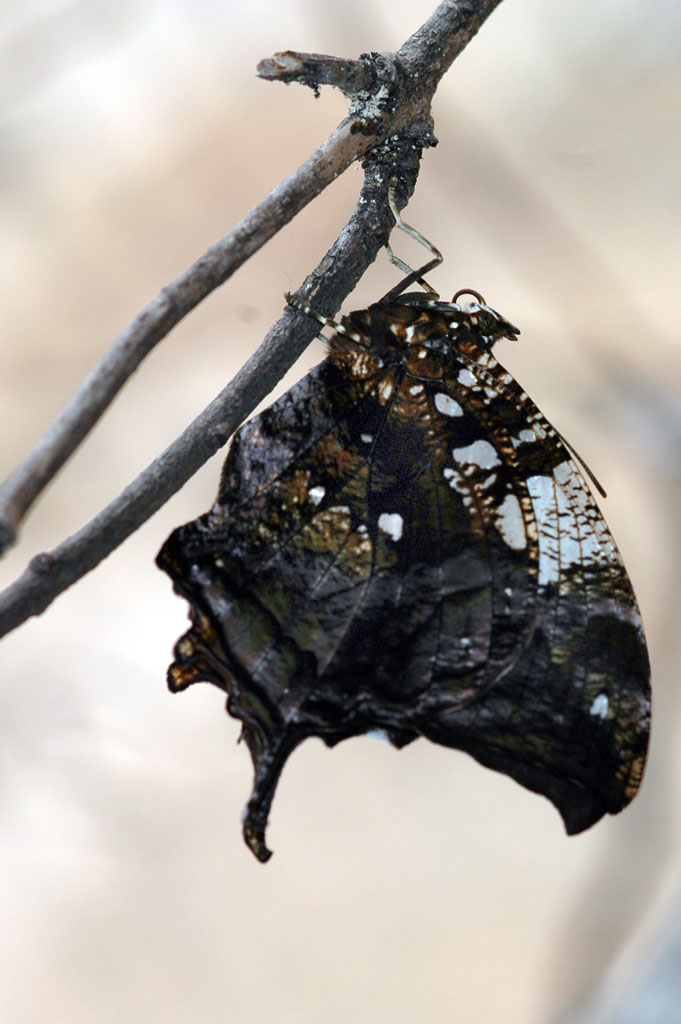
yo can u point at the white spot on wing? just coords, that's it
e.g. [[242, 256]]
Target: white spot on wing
[[378, 734], [316, 494], [524, 437], [446, 405], [570, 534], [392, 524], [468, 379], [511, 524], [480, 453], [552, 553], [542, 492], [367, 438], [600, 706]]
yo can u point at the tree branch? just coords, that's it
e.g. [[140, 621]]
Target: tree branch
[[50, 573], [315, 69], [173, 303], [390, 121]]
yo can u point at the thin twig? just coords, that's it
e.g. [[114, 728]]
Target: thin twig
[[315, 69], [398, 112]]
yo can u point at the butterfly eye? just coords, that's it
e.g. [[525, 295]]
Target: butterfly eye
[[486, 323]]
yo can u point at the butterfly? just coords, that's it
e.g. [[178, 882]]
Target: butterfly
[[402, 543]]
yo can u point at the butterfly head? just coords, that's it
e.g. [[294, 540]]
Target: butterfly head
[[484, 323], [466, 318]]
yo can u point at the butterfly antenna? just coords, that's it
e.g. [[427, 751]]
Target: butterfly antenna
[[592, 476]]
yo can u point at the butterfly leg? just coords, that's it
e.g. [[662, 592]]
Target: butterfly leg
[[325, 321], [412, 276]]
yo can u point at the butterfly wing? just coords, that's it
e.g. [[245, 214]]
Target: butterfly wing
[[571, 718], [401, 542]]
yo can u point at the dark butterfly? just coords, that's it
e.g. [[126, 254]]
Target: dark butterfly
[[403, 543]]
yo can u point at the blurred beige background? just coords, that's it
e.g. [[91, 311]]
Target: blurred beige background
[[405, 887]]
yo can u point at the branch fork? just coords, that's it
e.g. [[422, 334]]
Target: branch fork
[[387, 127]]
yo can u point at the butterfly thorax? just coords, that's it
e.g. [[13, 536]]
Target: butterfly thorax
[[394, 332]]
